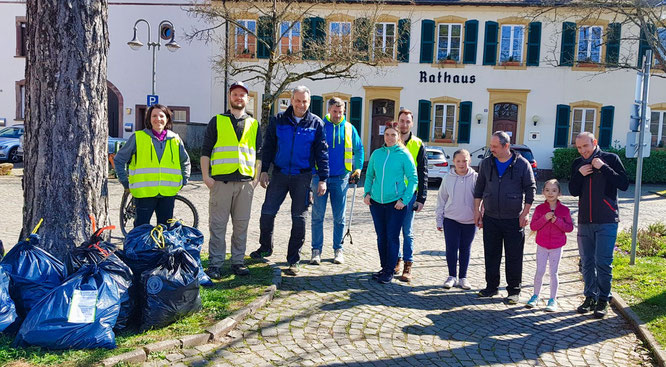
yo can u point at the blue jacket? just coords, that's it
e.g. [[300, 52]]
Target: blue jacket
[[335, 137], [295, 148], [385, 177]]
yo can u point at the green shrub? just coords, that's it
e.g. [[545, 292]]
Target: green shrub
[[651, 241], [195, 157], [562, 160]]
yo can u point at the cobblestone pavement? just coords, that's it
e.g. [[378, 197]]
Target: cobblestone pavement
[[336, 315]]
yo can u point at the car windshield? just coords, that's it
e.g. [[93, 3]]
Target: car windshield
[[435, 155], [11, 132]]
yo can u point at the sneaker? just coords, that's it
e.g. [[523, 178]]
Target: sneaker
[[376, 275], [316, 257], [293, 269], [588, 305], [260, 254], [214, 272], [240, 269], [464, 284], [339, 257], [385, 278], [601, 309], [552, 305], [513, 299], [450, 282], [533, 302], [487, 292]]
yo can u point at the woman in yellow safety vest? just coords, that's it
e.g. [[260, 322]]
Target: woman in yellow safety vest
[[158, 166]]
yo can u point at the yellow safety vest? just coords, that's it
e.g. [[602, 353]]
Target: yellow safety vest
[[230, 155], [148, 177], [349, 152], [414, 145]]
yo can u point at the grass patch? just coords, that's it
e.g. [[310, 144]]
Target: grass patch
[[226, 296]]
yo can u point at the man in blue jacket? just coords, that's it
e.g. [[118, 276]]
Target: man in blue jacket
[[344, 146], [295, 143]]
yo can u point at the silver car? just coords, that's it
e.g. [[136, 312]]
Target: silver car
[[438, 166], [9, 143]]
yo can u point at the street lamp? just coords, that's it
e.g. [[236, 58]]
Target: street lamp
[[166, 32]]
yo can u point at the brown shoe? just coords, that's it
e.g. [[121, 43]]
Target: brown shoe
[[396, 270], [407, 273]]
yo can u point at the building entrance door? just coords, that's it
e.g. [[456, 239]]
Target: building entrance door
[[505, 118], [383, 111], [112, 108]]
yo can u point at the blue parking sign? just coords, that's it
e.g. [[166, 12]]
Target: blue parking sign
[[152, 99]]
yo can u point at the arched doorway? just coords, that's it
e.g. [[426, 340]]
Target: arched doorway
[[383, 111], [505, 118], [115, 110]]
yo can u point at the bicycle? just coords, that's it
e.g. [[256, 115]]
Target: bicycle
[[183, 210]]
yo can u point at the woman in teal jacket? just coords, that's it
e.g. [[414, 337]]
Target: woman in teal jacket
[[390, 182]]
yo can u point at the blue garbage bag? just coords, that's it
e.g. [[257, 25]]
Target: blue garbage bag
[[7, 309], [171, 290], [143, 248], [79, 314], [33, 273], [191, 239]]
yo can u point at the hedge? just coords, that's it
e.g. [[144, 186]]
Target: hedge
[[653, 167]]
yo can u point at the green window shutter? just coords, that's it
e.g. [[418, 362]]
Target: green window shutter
[[317, 105], [356, 113], [265, 34], [644, 44], [314, 33], [613, 43], [606, 128], [423, 130], [490, 44], [361, 35], [465, 122], [404, 28], [471, 39], [568, 49], [534, 44], [562, 126], [427, 41]]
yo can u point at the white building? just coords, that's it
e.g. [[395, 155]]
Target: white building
[[469, 69]]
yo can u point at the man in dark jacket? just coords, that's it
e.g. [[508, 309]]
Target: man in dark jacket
[[595, 178], [295, 143], [504, 183]]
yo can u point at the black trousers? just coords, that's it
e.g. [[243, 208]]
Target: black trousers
[[507, 233]]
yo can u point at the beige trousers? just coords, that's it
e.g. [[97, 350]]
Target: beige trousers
[[235, 199]]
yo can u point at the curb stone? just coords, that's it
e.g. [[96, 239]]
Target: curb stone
[[214, 332], [640, 328]]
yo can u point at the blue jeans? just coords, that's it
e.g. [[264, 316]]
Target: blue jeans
[[387, 220], [407, 252], [458, 238], [298, 187], [336, 186], [596, 243], [161, 206]]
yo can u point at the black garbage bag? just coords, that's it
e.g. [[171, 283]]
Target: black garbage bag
[[7, 309], [33, 273], [171, 290], [79, 314], [143, 248], [191, 239]]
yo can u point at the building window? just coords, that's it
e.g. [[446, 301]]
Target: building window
[[290, 39], [339, 35], [251, 106], [583, 120], [180, 114], [448, 42], [444, 121], [21, 36], [20, 100], [657, 128], [661, 34], [511, 44], [283, 104], [246, 42], [589, 44], [384, 41]]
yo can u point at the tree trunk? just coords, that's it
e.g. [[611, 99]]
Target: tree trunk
[[65, 174]]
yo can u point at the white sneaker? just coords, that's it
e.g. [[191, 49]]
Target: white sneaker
[[339, 257], [464, 284], [316, 257], [450, 282], [552, 305]]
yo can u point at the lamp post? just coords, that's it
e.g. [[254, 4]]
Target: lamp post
[[166, 31]]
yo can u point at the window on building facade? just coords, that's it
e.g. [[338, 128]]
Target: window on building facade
[[339, 35], [290, 37], [657, 128], [448, 42], [180, 114], [251, 106], [583, 120], [589, 44], [384, 41], [283, 104], [511, 43], [21, 36], [20, 100], [246, 42], [661, 34], [444, 121]]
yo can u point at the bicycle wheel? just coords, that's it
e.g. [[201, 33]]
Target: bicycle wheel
[[184, 211], [127, 213]]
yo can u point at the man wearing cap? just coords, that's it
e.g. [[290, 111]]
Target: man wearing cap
[[295, 144], [344, 148], [230, 166]]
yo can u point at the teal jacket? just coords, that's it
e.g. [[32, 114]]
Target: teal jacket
[[391, 175]]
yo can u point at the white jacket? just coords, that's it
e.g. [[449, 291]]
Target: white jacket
[[455, 199]]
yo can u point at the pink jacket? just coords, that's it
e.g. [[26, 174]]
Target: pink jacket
[[551, 235]]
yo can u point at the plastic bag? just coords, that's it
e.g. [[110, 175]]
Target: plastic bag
[[7, 309], [33, 273], [79, 314], [143, 248], [191, 239], [171, 290]]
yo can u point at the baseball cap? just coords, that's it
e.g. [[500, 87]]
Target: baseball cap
[[238, 84]]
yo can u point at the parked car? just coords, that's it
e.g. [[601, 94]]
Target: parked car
[[523, 150], [438, 166], [9, 143], [112, 143]]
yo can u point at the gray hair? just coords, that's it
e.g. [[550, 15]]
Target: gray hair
[[335, 101], [503, 137], [586, 134], [301, 89]]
